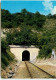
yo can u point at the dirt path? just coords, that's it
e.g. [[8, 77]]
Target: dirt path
[[22, 72], [48, 65]]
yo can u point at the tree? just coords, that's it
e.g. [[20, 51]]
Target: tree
[[49, 16], [10, 38], [5, 15], [4, 45], [24, 12], [45, 52], [39, 20], [25, 33]]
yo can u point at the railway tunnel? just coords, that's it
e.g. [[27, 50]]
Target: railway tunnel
[[26, 56], [24, 53]]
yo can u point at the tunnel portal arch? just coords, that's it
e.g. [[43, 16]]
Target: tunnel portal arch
[[26, 55], [17, 50]]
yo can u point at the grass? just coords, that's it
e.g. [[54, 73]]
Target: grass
[[6, 58]]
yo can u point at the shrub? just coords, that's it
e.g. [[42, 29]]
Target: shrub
[[4, 45], [2, 65], [45, 52], [6, 55], [4, 60]]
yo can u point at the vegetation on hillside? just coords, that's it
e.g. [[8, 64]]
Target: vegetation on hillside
[[24, 17], [6, 55], [23, 37], [35, 29]]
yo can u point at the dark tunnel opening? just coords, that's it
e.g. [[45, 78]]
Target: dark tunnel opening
[[25, 56]]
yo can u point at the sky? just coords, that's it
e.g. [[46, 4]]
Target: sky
[[44, 7]]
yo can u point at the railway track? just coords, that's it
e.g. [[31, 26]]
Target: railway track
[[36, 72], [29, 71]]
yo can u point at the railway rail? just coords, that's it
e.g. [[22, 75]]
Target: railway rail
[[27, 70], [36, 72]]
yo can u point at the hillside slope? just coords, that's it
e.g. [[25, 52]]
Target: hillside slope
[[49, 23]]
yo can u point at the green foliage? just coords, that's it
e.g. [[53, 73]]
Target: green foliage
[[45, 51], [24, 12], [47, 40], [44, 34], [22, 38], [6, 15], [10, 38], [7, 24], [4, 59], [6, 18], [14, 20], [4, 45], [39, 19], [50, 16], [6, 55], [9, 54], [2, 65], [34, 39]]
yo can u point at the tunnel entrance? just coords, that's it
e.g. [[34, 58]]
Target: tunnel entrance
[[25, 56]]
